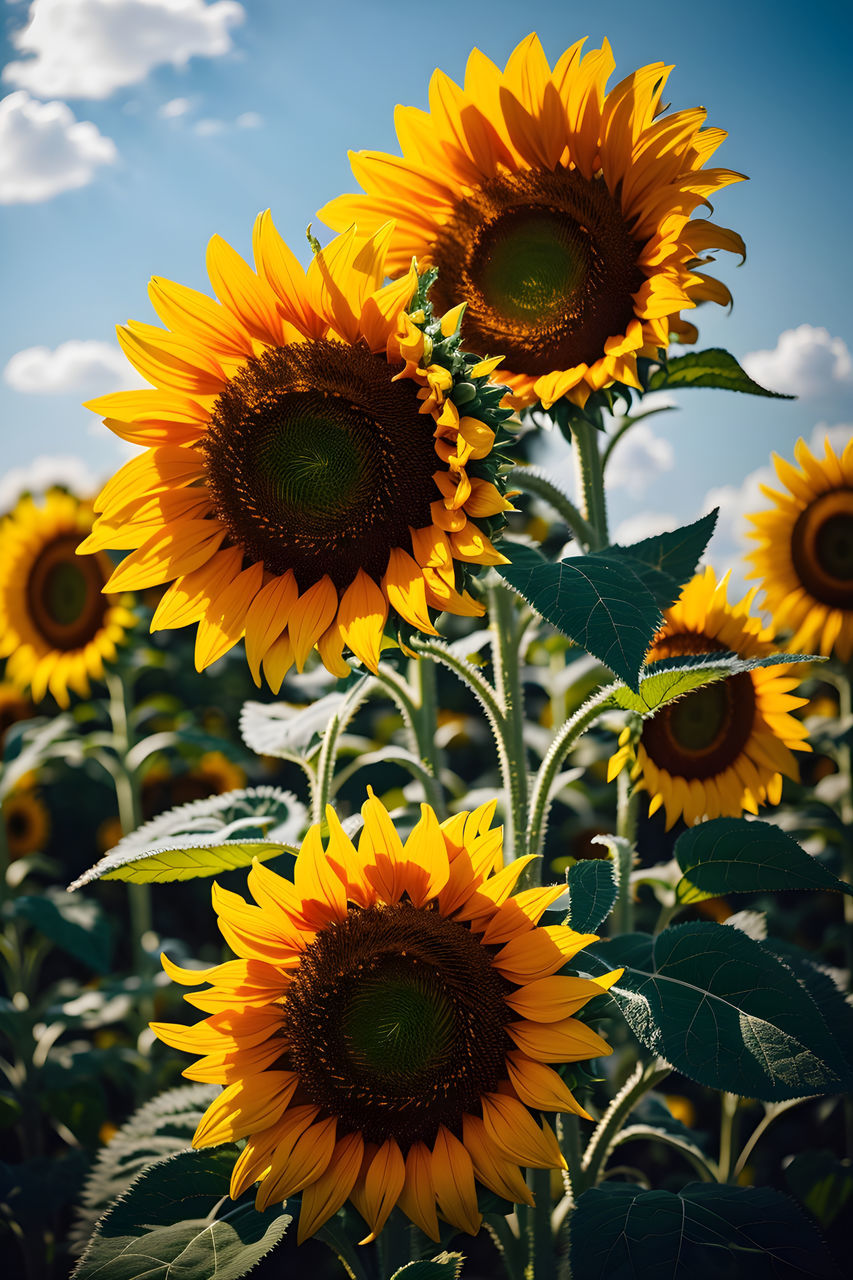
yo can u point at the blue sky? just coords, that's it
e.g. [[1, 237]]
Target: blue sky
[[137, 161]]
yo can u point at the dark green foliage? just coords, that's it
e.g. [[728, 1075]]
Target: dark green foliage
[[711, 368]]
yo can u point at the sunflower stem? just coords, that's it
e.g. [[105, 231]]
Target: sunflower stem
[[562, 743], [130, 813], [645, 1077], [626, 827], [542, 1262], [394, 1244], [507, 629], [534, 481], [591, 478], [425, 728], [728, 1134]]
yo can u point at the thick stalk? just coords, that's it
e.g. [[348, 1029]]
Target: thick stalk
[[542, 1263], [728, 1134], [394, 1244], [564, 740], [129, 810], [506, 630], [591, 481], [425, 727], [626, 828], [532, 480], [644, 1078]]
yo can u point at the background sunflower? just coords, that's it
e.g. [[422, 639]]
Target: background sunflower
[[723, 749], [804, 556], [57, 628]]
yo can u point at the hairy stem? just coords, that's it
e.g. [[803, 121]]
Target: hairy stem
[[644, 1078], [534, 481], [507, 627], [591, 477]]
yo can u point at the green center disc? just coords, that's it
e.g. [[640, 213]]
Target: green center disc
[[398, 1025], [313, 465], [65, 593], [697, 721], [531, 261], [834, 547]]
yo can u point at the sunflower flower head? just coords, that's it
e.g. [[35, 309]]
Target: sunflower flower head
[[560, 212], [722, 749], [804, 552], [27, 821], [320, 468], [387, 1032], [57, 628]]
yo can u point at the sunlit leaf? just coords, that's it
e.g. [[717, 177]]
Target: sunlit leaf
[[666, 562], [723, 1011], [592, 892]]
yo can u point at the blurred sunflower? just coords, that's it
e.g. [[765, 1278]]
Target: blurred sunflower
[[164, 787], [559, 212], [57, 628], [27, 822], [385, 1033], [804, 556], [724, 748], [307, 470]]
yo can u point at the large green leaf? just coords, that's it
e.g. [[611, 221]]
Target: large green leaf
[[711, 368], [185, 859], [822, 1183], [670, 678], [666, 562], [734, 855], [722, 1010], [196, 839], [77, 925], [598, 601], [177, 1221], [160, 1128], [705, 1232], [592, 892]]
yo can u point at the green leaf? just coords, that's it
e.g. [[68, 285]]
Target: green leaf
[[77, 925], [719, 1008], [822, 1183], [666, 562], [592, 892], [828, 994], [177, 1220], [734, 855], [711, 368], [704, 1232], [595, 600], [662, 682], [33, 1193], [182, 860], [160, 1128], [195, 839], [445, 1266]]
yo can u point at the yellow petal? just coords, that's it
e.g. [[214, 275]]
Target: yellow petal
[[453, 1178], [325, 1196], [515, 1133], [311, 615], [382, 1186], [362, 614], [404, 586]]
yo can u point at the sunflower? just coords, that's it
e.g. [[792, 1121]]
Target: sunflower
[[308, 469], [804, 556], [386, 1030], [559, 212], [724, 748], [27, 823], [57, 628]]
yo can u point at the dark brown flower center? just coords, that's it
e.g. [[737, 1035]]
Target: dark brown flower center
[[395, 1019], [318, 462], [64, 599], [547, 265], [704, 732], [822, 548]]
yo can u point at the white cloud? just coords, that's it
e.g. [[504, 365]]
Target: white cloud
[[176, 107], [209, 128], [90, 48], [86, 368], [806, 362], [645, 524], [730, 543], [637, 460], [44, 150], [44, 472], [249, 120]]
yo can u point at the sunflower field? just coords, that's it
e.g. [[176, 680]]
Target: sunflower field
[[403, 877]]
